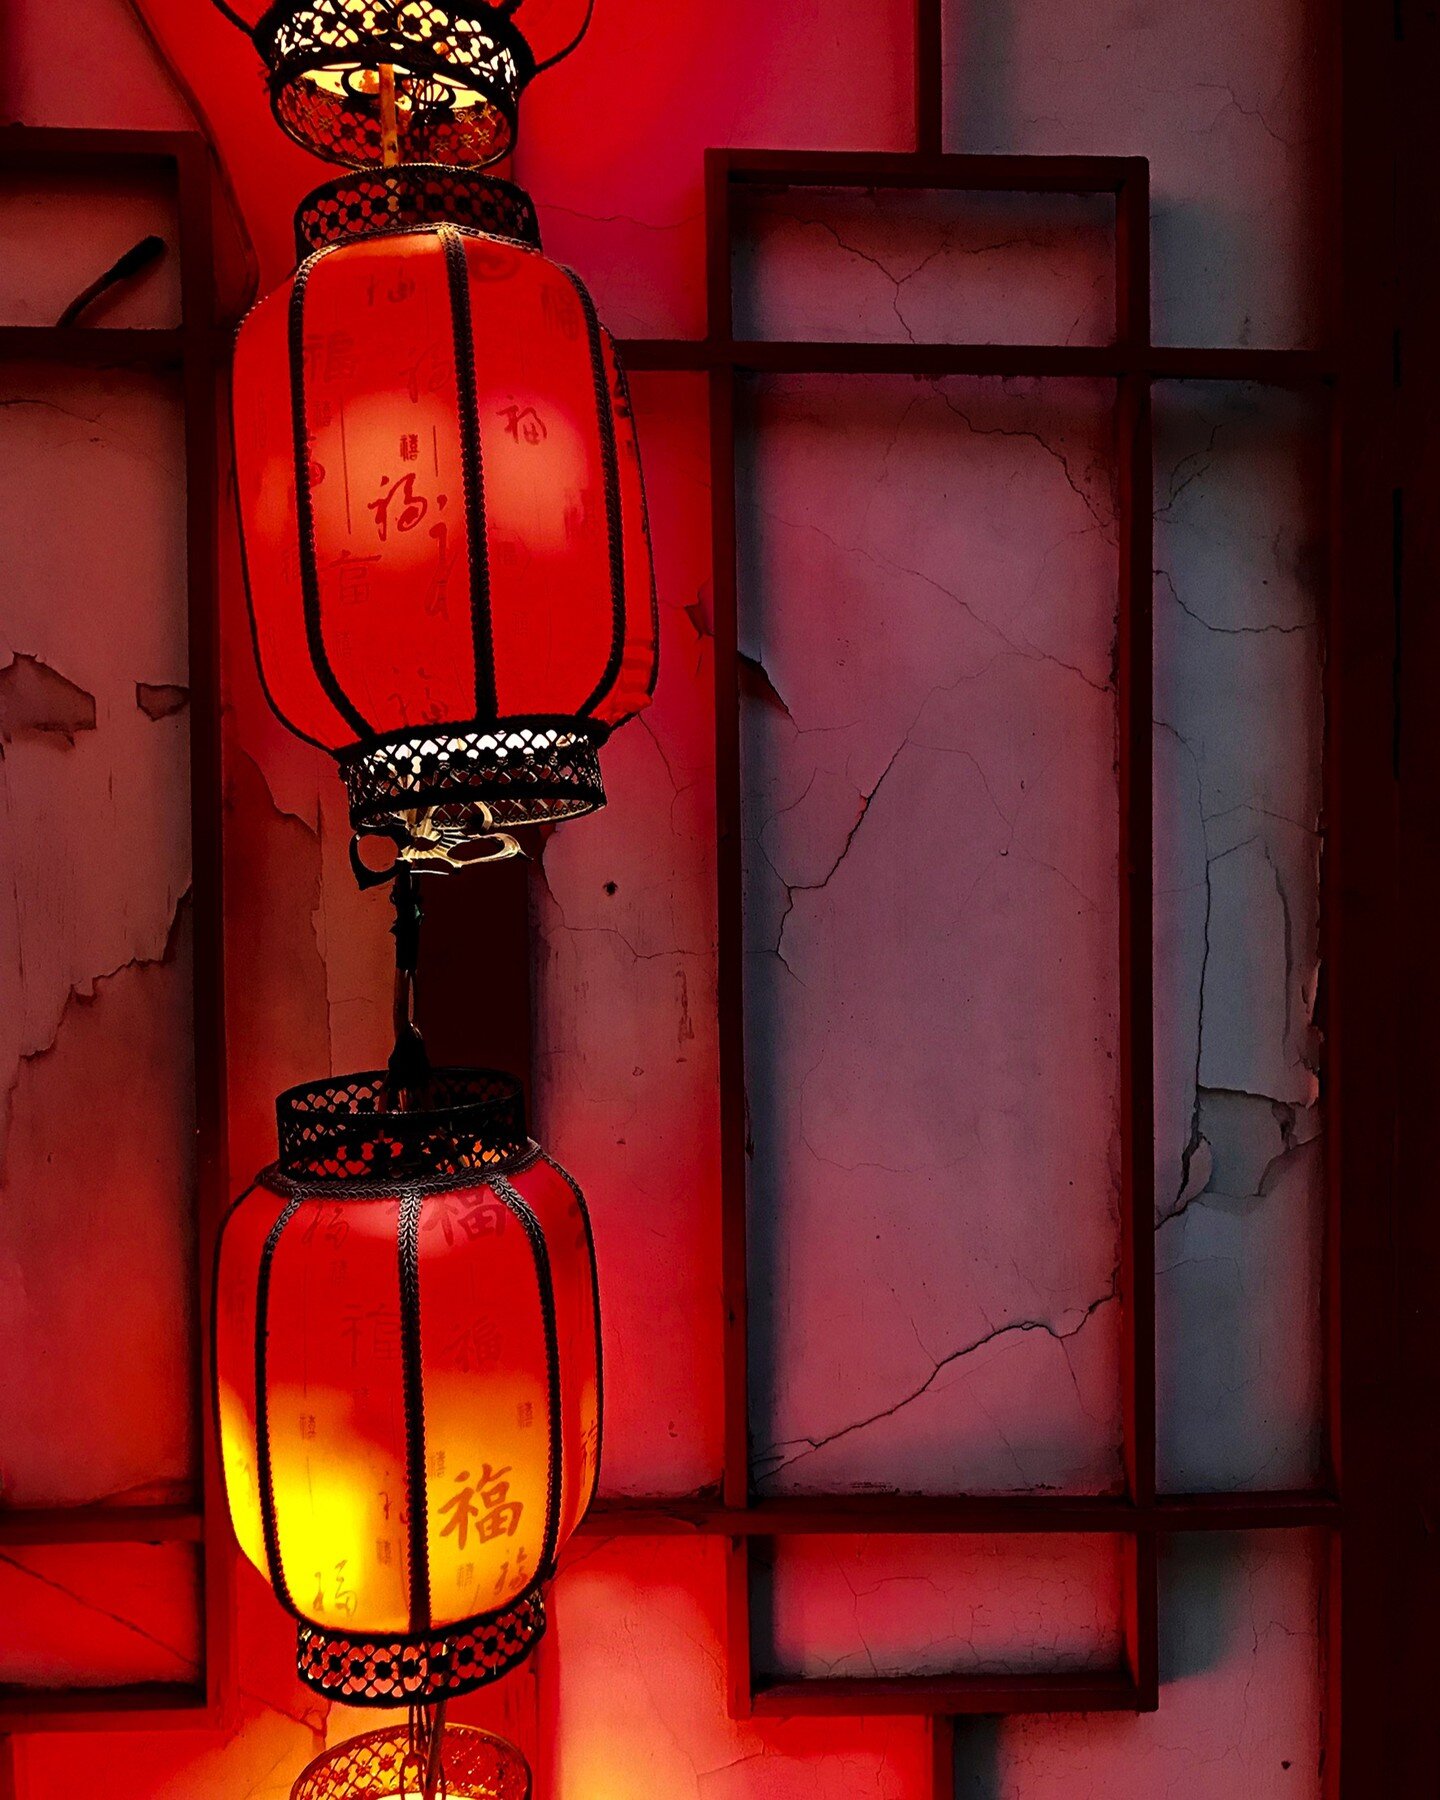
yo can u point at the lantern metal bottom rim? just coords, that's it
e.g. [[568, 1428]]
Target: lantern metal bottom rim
[[417, 1668], [470, 781]]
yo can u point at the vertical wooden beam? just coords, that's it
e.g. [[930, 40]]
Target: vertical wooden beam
[[734, 1121], [1383, 864], [740, 1690], [201, 384], [942, 1751], [473, 998], [929, 77], [1135, 705]]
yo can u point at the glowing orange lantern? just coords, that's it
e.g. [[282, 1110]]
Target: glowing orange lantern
[[408, 1380], [442, 511]]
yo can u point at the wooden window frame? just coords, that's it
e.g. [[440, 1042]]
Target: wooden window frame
[[1362, 1656], [194, 349], [1379, 1617]]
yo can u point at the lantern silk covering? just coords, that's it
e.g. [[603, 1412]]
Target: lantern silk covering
[[408, 1386], [444, 526]]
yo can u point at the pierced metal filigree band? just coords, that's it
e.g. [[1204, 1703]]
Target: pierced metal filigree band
[[459, 70], [403, 1670], [369, 202], [350, 1128], [472, 782], [475, 1765]]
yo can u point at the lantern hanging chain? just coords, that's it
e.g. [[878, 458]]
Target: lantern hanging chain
[[409, 1066], [230, 13], [434, 1767], [573, 45], [389, 119]]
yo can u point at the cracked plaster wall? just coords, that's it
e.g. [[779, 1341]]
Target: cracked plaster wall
[[931, 915], [832, 1606], [979, 1335], [1241, 1698], [96, 1237]]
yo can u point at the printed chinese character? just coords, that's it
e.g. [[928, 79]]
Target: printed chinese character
[[521, 1571], [523, 422], [351, 576], [343, 1599], [561, 311], [477, 1219], [372, 1331], [497, 1514], [475, 1346], [412, 507], [329, 1224]]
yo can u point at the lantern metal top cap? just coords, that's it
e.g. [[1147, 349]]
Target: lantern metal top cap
[[369, 81], [354, 1128]]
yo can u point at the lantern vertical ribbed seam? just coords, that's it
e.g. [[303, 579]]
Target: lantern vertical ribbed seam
[[610, 457], [482, 637], [413, 1377], [519, 1207], [214, 1336], [264, 1473], [654, 675], [265, 688], [305, 508], [575, 1189]]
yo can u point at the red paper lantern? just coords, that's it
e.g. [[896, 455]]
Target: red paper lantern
[[408, 1381], [446, 546]]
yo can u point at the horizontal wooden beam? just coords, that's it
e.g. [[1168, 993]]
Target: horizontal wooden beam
[[883, 1515], [43, 147], [1095, 362], [947, 1695], [907, 169], [146, 1706], [92, 346], [53, 1525]]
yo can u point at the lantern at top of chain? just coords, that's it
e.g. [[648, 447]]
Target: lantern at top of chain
[[446, 546], [459, 69]]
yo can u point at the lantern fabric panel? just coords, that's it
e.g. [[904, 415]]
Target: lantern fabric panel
[[333, 1415], [560, 1211], [492, 1473], [232, 1360], [262, 424], [383, 515], [557, 600]]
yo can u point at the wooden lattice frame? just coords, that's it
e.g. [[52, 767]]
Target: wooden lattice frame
[[191, 348]]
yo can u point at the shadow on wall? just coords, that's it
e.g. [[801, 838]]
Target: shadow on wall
[[1205, 1627]]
